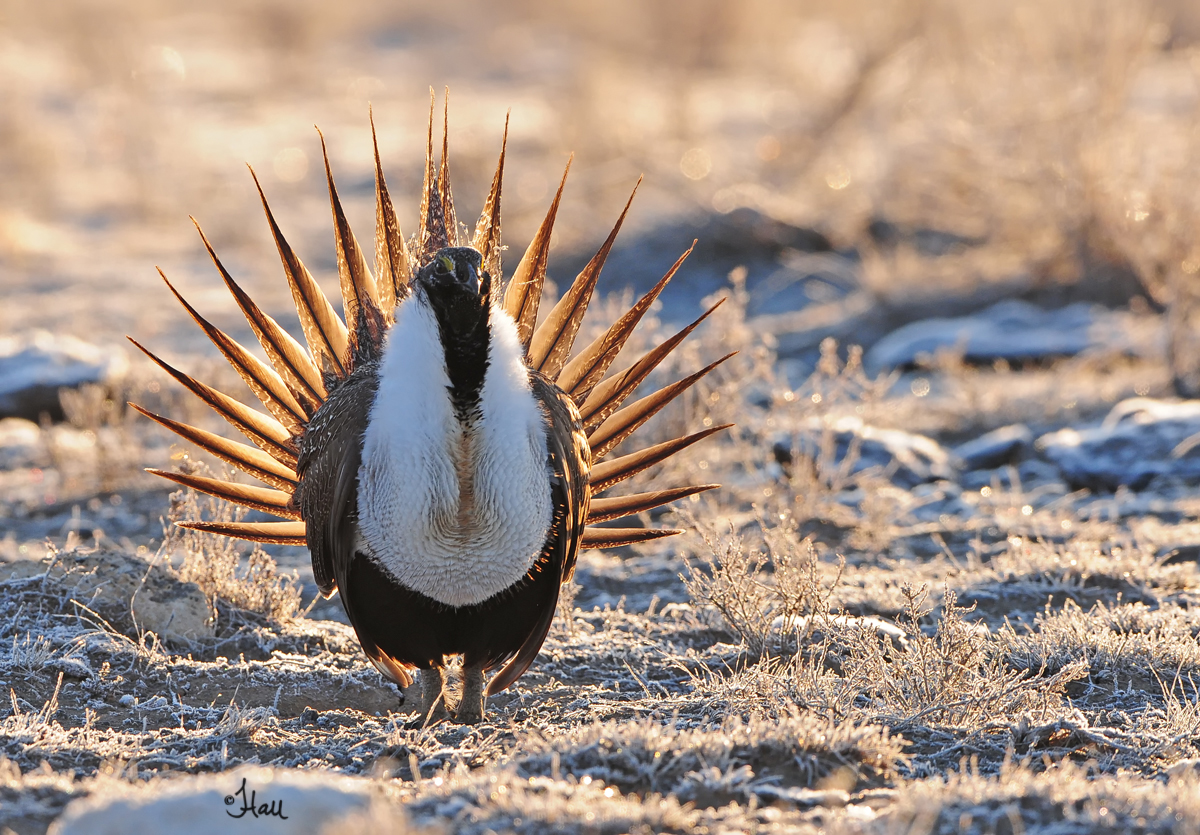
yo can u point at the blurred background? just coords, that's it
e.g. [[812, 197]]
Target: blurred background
[[863, 167], [958, 151]]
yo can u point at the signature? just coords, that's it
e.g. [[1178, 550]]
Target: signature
[[251, 806]]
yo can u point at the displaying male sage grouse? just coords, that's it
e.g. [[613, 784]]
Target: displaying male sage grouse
[[439, 455]]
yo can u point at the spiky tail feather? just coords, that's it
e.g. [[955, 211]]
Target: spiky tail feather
[[295, 381]]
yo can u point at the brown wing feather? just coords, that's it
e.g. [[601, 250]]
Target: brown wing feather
[[554, 338], [330, 454]]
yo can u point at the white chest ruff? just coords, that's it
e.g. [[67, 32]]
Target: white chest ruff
[[457, 515]]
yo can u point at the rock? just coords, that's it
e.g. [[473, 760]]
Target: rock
[[924, 240], [908, 459], [34, 366], [128, 592], [20, 443], [1184, 768], [995, 448], [1010, 330], [287, 801], [804, 798], [1141, 438]]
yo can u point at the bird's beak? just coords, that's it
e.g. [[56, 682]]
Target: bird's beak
[[463, 276]]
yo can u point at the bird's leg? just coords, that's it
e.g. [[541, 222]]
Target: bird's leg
[[431, 700], [471, 707]]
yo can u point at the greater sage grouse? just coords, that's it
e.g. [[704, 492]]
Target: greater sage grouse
[[439, 455]]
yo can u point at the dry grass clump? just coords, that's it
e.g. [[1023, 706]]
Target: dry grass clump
[[35, 797], [1065, 799], [772, 613], [1025, 577], [955, 677], [730, 760], [813, 434], [497, 800], [215, 563], [1125, 647]]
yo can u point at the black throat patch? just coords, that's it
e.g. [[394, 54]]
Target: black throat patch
[[459, 294], [463, 325]]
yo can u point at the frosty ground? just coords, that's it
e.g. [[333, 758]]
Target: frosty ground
[[862, 631], [950, 582]]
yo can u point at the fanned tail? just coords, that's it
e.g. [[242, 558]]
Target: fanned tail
[[262, 379], [487, 230], [393, 265], [553, 340], [324, 331], [287, 356], [248, 459], [294, 382], [360, 296], [524, 291], [266, 432], [615, 470], [590, 365]]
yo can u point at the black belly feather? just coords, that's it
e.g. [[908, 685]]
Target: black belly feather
[[417, 630]]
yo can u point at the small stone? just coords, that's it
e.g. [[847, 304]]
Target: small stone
[[1140, 439], [1011, 330], [993, 449], [34, 366], [128, 592], [21, 443], [262, 800], [908, 459]]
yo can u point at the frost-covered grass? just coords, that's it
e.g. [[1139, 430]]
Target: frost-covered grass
[[816, 651]]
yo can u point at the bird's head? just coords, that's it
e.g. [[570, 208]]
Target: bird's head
[[458, 288]]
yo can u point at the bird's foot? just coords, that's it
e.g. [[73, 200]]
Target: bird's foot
[[427, 697], [474, 700]]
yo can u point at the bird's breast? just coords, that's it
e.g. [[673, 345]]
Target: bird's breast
[[457, 510]]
